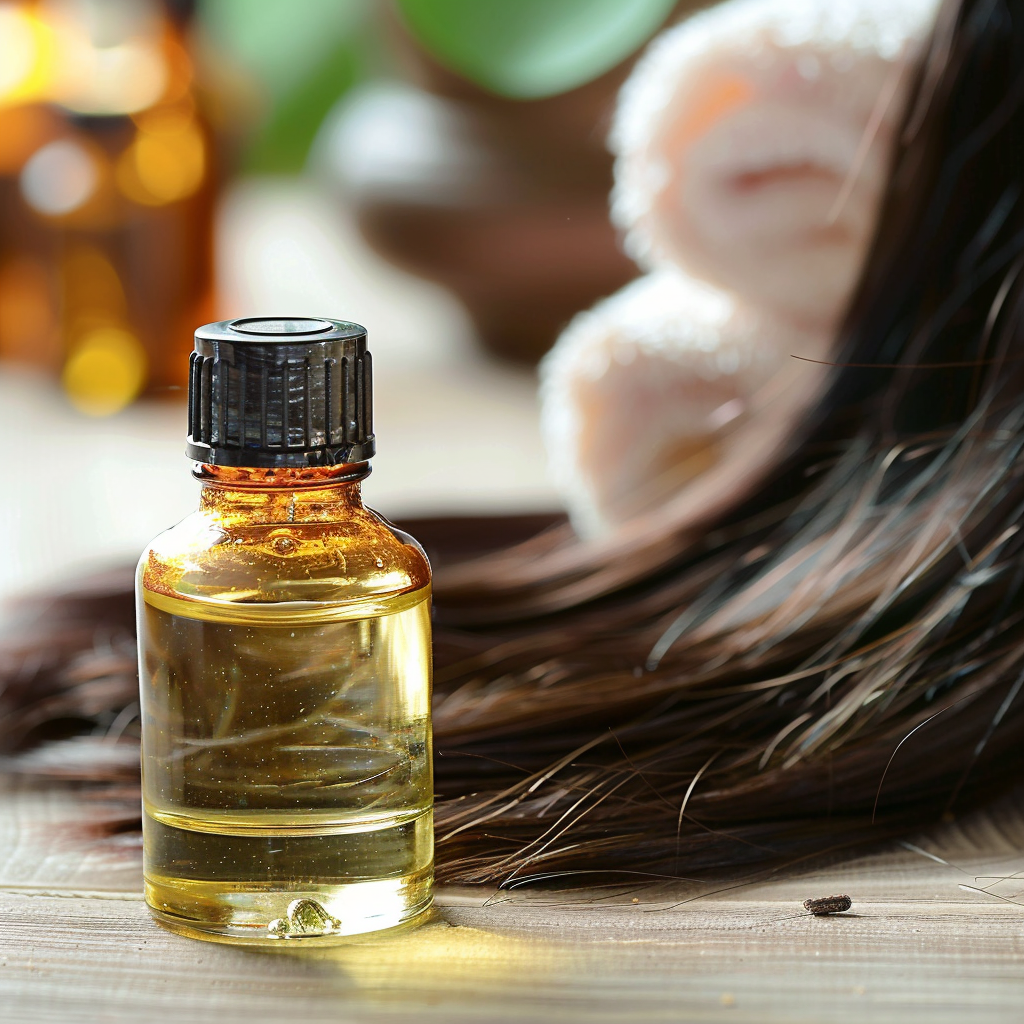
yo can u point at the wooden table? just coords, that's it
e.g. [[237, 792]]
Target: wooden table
[[922, 943]]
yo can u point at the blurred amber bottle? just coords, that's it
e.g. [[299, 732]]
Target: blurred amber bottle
[[107, 184]]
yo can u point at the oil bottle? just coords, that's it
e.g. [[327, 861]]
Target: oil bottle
[[284, 646]]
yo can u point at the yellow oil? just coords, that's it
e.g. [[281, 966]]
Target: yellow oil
[[287, 782]]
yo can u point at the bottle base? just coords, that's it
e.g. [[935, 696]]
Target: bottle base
[[263, 915]]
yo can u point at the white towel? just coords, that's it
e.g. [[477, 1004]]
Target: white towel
[[752, 145], [660, 383], [753, 140]]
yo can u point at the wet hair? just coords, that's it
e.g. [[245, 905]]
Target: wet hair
[[840, 657], [837, 659]]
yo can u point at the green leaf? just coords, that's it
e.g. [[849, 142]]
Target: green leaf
[[283, 144], [280, 41], [526, 49], [303, 53]]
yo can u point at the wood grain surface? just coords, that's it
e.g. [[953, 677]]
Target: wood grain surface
[[923, 942]]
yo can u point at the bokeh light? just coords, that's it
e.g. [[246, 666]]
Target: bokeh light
[[93, 293], [105, 371], [110, 58], [59, 178], [27, 55], [167, 160]]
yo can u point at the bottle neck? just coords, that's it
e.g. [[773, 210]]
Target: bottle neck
[[309, 494]]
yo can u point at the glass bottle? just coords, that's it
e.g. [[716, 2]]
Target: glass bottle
[[111, 156], [284, 644]]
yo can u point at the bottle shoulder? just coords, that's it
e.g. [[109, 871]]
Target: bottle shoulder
[[350, 560]]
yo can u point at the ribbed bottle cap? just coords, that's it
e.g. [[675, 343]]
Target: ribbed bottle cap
[[280, 392]]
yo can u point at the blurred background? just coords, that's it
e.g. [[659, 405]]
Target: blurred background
[[433, 169]]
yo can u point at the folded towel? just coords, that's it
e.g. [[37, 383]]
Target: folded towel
[[661, 382], [752, 144]]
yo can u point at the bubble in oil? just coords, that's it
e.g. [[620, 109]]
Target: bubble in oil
[[304, 918]]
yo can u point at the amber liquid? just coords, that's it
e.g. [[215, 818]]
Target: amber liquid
[[287, 782]]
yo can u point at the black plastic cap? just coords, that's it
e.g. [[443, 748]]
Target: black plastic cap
[[280, 393]]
